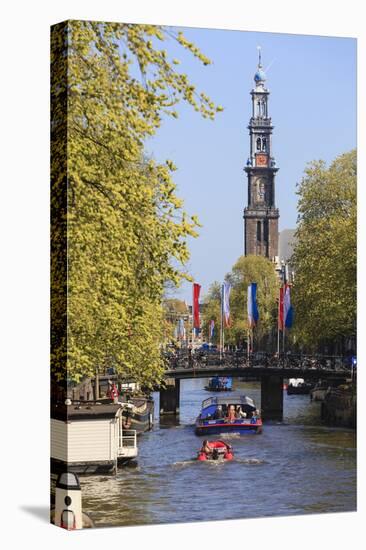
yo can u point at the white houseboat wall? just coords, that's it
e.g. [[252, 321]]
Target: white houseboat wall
[[90, 438]]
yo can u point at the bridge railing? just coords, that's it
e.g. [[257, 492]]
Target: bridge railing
[[183, 359]]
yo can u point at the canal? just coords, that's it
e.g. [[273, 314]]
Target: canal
[[294, 467]]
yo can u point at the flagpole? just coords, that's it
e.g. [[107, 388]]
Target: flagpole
[[221, 321], [248, 345], [278, 322], [223, 317], [192, 315]]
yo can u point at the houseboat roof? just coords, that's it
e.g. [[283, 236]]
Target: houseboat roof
[[61, 411]]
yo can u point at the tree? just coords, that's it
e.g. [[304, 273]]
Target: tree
[[114, 211], [324, 258], [260, 270], [247, 269]]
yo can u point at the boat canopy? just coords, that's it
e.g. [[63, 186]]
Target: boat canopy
[[246, 403]]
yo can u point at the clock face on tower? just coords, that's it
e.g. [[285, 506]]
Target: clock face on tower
[[261, 160]]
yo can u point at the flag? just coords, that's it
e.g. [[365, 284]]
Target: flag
[[280, 310], [287, 307], [196, 306], [253, 314], [211, 328], [226, 289]]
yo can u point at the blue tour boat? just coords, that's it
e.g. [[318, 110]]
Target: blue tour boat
[[220, 383], [228, 415]]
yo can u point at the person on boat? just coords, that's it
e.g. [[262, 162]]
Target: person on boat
[[231, 414], [240, 413], [228, 453], [126, 421], [206, 448], [218, 413]]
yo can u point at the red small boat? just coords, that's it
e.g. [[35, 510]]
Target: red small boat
[[215, 450]]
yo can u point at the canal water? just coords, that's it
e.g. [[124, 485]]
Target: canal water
[[294, 467]]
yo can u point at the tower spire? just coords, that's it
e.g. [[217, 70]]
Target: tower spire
[[259, 57], [260, 75]]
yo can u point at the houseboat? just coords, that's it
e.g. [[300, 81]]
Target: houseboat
[[138, 413], [234, 415], [220, 383], [322, 387], [298, 386], [319, 391], [89, 438]]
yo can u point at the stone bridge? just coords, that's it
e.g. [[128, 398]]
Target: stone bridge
[[269, 371]]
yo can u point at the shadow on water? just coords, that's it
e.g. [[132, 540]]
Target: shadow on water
[[169, 421]]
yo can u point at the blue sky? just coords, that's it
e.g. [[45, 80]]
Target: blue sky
[[312, 81]]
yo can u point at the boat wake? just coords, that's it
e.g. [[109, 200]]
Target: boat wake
[[249, 460], [230, 435], [183, 463]]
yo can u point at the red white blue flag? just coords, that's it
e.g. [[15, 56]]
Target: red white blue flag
[[252, 308], [226, 289], [287, 307], [196, 306]]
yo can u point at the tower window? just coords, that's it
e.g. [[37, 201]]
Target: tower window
[[264, 110], [258, 144], [259, 232]]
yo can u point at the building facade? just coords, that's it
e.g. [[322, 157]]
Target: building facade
[[261, 215]]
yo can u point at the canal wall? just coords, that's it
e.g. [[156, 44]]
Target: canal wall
[[339, 407]]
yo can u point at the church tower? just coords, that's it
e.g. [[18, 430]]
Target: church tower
[[261, 215]]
